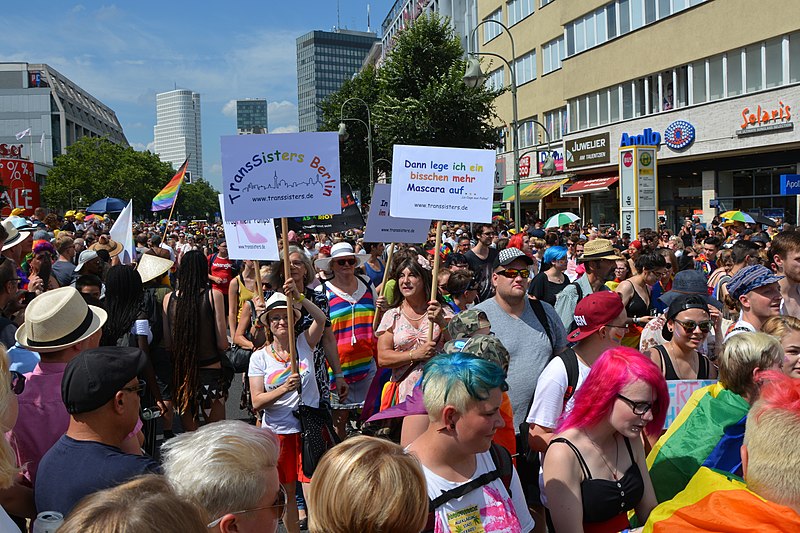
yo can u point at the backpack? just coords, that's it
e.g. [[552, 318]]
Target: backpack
[[570, 360], [504, 470], [152, 308], [578, 290]]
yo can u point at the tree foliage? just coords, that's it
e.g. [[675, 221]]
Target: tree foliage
[[94, 167], [417, 97], [197, 200]]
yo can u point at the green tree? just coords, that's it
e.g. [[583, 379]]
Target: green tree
[[94, 167], [197, 200]]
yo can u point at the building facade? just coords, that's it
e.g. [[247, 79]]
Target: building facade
[[325, 60], [54, 112], [696, 78], [251, 116], [176, 134]]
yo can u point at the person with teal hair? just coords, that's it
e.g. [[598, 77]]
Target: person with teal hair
[[546, 285], [469, 479]]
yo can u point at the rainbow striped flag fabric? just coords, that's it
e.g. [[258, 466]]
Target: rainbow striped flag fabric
[[720, 502], [168, 195], [691, 438]]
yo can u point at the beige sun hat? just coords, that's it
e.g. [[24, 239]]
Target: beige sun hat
[[277, 301], [152, 266], [58, 319], [104, 243], [338, 251]]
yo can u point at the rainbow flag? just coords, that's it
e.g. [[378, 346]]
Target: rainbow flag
[[716, 501], [165, 198], [692, 437]]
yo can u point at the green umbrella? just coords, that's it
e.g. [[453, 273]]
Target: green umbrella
[[556, 221]]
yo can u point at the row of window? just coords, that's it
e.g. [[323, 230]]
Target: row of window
[[753, 68]]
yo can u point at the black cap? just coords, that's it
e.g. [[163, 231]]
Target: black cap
[[93, 378], [684, 302]]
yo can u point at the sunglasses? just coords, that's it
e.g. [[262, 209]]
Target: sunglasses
[[342, 262], [279, 504], [690, 325], [512, 273], [17, 382], [639, 408]]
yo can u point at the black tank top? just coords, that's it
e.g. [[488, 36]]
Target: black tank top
[[603, 499], [207, 352], [669, 369], [637, 306]]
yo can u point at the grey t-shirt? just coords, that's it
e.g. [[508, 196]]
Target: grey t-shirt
[[529, 348], [63, 271]]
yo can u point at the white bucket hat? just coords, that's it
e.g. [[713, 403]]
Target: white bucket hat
[[152, 266], [339, 251], [277, 301], [58, 319]]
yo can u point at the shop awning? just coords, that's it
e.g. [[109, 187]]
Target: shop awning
[[533, 190], [589, 186]]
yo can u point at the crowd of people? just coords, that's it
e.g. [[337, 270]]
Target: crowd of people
[[521, 385]]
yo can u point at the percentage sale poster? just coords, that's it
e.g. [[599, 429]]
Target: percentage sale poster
[[18, 178], [280, 175]]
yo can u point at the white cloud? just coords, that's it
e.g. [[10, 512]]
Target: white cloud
[[139, 147], [78, 8], [151, 147], [229, 109], [285, 129], [282, 116]]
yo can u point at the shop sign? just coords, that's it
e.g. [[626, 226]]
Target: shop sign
[[638, 189], [647, 138], [679, 135], [790, 184], [499, 172], [558, 159], [588, 150], [524, 166], [760, 120], [21, 188], [14, 151]]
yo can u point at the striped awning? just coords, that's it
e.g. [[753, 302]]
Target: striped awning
[[533, 190]]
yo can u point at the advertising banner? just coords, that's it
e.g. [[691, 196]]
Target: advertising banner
[[250, 239], [19, 179], [349, 218], [433, 183], [280, 175], [381, 227]]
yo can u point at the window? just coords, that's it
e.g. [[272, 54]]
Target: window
[[490, 31], [637, 14], [525, 68], [572, 106], [556, 122], [600, 24], [614, 107], [518, 10], [734, 68], [583, 113], [495, 80], [527, 133], [592, 103], [544, 2], [715, 87], [698, 82], [611, 20], [552, 54], [603, 107], [580, 36], [627, 101], [753, 72], [649, 11], [679, 5], [774, 62], [682, 86], [624, 16], [570, 39], [794, 57], [640, 95]]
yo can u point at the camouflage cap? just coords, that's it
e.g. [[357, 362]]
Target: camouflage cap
[[486, 347], [466, 323]]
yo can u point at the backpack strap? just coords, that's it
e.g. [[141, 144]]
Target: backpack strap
[[503, 470], [578, 289], [570, 360], [541, 315]]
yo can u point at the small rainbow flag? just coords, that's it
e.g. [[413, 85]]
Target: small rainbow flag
[[165, 198]]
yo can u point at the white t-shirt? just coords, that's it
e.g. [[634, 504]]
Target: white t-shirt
[[740, 327], [279, 416], [486, 509]]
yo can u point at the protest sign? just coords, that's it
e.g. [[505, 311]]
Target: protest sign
[[434, 183], [250, 239], [280, 175], [350, 217], [381, 227], [679, 393]]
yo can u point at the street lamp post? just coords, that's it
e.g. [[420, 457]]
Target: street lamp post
[[368, 125], [80, 195], [385, 177], [474, 77]]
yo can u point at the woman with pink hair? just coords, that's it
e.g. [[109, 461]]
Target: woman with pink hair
[[594, 469]]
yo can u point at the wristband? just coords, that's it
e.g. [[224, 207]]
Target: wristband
[[338, 375]]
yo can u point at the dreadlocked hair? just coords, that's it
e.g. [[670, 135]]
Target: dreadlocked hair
[[123, 303], [191, 289]]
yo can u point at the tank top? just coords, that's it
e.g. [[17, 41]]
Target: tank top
[[637, 306], [245, 294], [669, 369], [606, 502], [207, 353], [375, 276]]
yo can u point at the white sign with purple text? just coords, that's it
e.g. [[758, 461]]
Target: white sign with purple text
[[280, 175], [250, 239], [434, 183], [381, 227]]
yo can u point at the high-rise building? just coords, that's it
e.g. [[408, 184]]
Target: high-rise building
[[251, 116], [177, 130], [325, 60], [709, 88]]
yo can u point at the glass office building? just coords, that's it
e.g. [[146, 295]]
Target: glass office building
[[177, 130], [251, 116]]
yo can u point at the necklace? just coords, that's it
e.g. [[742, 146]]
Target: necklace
[[603, 457], [405, 304], [276, 356]]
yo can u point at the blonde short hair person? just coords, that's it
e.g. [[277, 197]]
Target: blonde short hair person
[[741, 356], [363, 470], [143, 505]]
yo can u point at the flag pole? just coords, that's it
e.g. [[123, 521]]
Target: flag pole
[[166, 226], [287, 273]]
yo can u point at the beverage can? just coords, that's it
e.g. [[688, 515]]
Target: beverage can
[[48, 522], [149, 413]]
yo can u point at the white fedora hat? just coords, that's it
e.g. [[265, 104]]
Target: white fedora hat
[[14, 235], [340, 250], [152, 266], [277, 301], [57, 319]]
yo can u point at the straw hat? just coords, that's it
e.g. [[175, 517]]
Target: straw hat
[[152, 266], [277, 301], [105, 243], [339, 251], [599, 249], [58, 319]]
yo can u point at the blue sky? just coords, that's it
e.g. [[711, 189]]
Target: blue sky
[[125, 53]]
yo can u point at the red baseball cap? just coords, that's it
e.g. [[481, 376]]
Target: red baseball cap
[[595, 311]]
